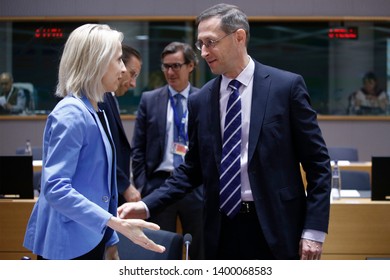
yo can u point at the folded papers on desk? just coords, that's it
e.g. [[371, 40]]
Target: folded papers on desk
[[355, 193]]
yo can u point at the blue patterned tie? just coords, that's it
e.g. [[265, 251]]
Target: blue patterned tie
[[230, 172], [178, 159]]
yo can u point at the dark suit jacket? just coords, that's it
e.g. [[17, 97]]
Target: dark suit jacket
[[149, 137], [283, 133], [122, 146]]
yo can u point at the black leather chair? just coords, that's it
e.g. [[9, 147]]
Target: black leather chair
[[30, 94], [355, 180], [343, 153], [173, 243]]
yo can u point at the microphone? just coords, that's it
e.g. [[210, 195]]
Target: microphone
[[187, 242]]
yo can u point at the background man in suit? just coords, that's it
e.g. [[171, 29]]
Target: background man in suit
[[272, 217], [133, 62], [12, 99], [160, 141]]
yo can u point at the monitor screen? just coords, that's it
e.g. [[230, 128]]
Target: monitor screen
[[16, 177], [380, 178]]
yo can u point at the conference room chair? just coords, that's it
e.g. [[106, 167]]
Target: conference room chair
[[173, 243], [355, 180], [30, 94], [36, 152], [343, 153]]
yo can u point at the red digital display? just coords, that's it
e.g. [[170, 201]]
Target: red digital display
[[45, 33], [343, 33]]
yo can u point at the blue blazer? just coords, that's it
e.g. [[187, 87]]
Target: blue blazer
[[283, 134], [69, 219]]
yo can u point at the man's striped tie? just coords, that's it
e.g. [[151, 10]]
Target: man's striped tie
[[230, 176]]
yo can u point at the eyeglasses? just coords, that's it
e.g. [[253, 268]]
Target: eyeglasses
[[174, 66], [133, 74], [210, 43]]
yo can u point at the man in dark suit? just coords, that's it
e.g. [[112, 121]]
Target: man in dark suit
[[133, 62], [273, 216], [160, 142]]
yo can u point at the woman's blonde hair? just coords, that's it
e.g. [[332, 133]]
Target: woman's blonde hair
[[85, 59]]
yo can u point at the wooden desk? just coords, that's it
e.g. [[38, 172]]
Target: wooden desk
[[37, 165], [358, 229], [14, 215], [357, 166]]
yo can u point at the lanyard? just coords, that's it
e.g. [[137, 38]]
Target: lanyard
[[180, 121]]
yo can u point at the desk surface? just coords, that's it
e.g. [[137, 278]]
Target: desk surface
[[357, 166], [37, 165], [358, 228]]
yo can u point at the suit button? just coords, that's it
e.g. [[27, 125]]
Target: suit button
[[105, 198]]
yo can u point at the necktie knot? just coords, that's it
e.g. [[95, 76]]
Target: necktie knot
[[178, 97], [234, 84]]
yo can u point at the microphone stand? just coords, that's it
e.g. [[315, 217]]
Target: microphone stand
[[187, 241]]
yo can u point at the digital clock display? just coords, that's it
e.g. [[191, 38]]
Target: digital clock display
[[343, 33], [46, 33]]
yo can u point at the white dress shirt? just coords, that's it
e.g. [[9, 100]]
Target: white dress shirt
[[246, 79]]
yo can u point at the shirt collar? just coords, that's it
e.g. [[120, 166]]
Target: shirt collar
[[184, 92], [244, 77]]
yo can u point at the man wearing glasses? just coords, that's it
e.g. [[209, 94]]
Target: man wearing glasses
[[250, 129], [160, 142]]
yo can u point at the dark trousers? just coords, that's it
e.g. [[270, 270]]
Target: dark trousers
[[242, 239]]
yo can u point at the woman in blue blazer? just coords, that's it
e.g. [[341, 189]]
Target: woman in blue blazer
[[75, 215]]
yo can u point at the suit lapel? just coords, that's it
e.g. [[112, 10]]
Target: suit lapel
[[260, 92], [115, 110], [214, 119]]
